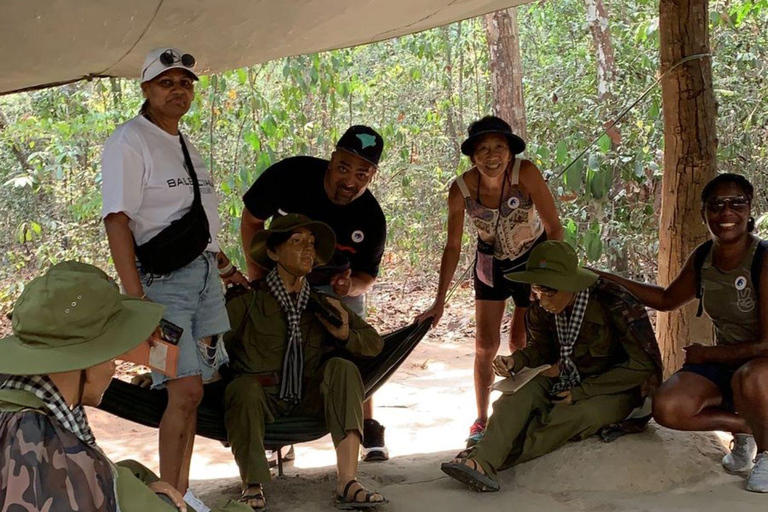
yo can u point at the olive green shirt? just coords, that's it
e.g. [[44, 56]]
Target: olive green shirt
[[615, 351], [256, 342]]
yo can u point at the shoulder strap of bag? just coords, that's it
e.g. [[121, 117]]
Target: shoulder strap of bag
[[698, 261], [757, 263], [190, 169]]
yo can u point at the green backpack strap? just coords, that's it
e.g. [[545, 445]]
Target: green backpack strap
[[699, 255]]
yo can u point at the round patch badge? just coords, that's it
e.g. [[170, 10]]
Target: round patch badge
[[740, 283], [513, 202], [542, 263], [358, 236]]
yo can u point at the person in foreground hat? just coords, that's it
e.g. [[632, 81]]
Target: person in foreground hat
[[507, 200], [605, 361], [160, 212], [335, 192], [68, 327], [284, 358]]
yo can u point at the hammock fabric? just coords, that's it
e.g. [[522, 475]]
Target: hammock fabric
[[145, 406]]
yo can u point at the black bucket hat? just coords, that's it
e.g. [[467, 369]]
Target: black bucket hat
[[362, 141], [486, 126]]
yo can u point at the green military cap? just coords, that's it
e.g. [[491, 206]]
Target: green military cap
[[72, 318], [325, 239], [554, 264]]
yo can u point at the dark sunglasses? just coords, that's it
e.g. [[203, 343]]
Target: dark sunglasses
[[544, 290], [169, 57], [735, 203]]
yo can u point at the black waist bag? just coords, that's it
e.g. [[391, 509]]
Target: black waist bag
[[184, 240]]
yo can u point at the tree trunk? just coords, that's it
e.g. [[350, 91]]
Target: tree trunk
[[597, 17], [689, 161], [506, 68]]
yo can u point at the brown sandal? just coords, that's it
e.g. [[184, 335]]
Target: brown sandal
[[344, 502], [247, 496]]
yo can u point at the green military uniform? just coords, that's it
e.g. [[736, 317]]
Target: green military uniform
[[617, 358], [333, 388]]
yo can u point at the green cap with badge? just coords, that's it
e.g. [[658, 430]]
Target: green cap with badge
[[554, 264], [72, 318]]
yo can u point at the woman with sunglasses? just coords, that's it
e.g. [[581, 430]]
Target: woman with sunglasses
[[161, 215], [722, 387], [508, 201]]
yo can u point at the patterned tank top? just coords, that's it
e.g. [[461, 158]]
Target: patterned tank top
[[512, 234], [730, 299]]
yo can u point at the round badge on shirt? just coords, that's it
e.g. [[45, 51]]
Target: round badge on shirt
[[513, 202], [358, 236], [740, 283]]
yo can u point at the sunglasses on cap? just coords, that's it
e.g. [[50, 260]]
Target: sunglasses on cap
[[735, 203], [543, 290], [170, 57]]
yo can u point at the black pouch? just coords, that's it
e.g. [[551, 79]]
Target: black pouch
[[185, 239], [484, 264]]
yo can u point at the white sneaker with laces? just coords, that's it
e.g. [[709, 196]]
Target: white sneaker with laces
[[758, 477], [743, 452], [195, 502]]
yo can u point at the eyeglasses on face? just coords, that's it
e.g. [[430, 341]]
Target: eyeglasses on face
[[543, 290], [735, 203]]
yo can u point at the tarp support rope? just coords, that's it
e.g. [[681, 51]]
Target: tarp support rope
[[628, 108]]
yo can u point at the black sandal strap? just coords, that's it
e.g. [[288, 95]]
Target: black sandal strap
[[354, 497], [346, 487]]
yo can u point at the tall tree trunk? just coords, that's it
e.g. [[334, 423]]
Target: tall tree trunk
[[597, 17], [506, 68], [690, 147]]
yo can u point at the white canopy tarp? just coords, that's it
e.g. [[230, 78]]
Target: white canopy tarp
[[49, 42]]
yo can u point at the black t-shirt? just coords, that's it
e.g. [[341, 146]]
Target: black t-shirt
[[295, 185]]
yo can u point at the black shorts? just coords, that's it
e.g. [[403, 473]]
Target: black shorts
[[720, 375], [503, 288]]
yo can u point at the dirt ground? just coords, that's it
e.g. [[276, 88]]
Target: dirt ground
[[427, 408]]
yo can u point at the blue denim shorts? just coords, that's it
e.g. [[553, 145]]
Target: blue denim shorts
[[356, 304], [194, 300]]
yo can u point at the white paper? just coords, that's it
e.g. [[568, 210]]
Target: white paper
[[158, 356], [518, 380]]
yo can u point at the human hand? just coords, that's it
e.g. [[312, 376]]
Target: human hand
[[695, 353], [341, 332], [563, 398], [502, 366], [236, 279], [341, 283], [435, 313], [143, 380], [167, 489]]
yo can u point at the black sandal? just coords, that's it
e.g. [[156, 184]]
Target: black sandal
[[469, 475], [343, 502], [246, 497]]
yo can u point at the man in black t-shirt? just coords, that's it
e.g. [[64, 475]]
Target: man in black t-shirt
[[335, 192]]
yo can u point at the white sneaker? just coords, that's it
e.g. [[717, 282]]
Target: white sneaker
[[195, 502], [743, 452], [758, 477]]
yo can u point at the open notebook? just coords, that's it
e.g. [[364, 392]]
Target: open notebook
[[518, 380]]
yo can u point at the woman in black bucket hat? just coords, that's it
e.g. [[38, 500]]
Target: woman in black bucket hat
[[512, 210]]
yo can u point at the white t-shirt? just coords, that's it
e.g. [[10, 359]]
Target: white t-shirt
[[143, 175]]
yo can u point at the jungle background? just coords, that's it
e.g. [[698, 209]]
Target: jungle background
[[420, 92]]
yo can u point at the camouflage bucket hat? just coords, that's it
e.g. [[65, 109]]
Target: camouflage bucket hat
[[325, 239], [72, 318], [554, 264]]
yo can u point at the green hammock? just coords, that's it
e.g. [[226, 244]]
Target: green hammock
[[145, 406]]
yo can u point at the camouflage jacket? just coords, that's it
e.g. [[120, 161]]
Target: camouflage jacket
[[45, 467], [616, 350]]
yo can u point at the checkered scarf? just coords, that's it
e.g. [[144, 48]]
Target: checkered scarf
[[293, 361], [567, 333], [72, 419]]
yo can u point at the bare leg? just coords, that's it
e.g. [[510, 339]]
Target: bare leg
[[488, 315], [368, 409], [346, 466], [177, 427], [749, 385], [517, 335], [688, 401]]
